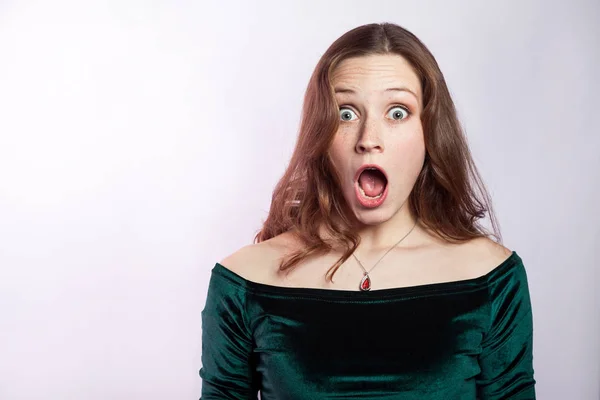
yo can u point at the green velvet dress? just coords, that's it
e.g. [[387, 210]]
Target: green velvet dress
[[466, 340]]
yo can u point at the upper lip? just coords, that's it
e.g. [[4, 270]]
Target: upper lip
[[367, 166]]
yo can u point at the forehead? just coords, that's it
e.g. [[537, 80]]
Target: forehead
[[375, 73]]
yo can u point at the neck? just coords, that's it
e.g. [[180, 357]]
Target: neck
[[382, 236]]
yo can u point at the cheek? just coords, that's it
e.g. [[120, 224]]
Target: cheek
[[415, 147], [338, 153], [410, 153]]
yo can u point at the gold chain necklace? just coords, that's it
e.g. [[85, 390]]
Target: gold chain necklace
[[365, 282]]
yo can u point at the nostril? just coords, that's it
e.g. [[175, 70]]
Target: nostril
[[363, 148]]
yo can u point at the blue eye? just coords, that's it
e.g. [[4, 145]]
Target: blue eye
[[398, 113], [347, 114]]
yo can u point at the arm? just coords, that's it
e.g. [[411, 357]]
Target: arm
[[506, 360], [227, 370]]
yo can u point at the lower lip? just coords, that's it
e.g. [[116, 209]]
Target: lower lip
[[370, 203]]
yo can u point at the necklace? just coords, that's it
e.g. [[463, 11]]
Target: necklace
[[365, 282]]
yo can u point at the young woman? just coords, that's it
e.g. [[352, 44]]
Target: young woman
[[371, 277]]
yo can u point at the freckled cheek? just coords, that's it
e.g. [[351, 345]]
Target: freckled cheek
[[411, 147], [410, 153], [339, 157]]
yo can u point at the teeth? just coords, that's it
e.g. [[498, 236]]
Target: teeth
[[367, 196]]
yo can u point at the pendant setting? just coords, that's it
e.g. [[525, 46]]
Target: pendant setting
[[365, 283]]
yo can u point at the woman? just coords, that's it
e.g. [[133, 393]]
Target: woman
[[371, 277]]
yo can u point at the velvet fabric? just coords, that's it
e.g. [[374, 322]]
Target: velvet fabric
[[469, 339]]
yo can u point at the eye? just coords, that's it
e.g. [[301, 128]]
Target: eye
[[398, 113], [347, 114]]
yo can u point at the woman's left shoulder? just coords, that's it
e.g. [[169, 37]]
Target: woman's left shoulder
[[483, 255]]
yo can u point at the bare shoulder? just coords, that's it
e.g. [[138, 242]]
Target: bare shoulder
[[482, 255], [258, 262]]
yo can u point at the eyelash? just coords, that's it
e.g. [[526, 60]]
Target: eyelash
[[408, 112]]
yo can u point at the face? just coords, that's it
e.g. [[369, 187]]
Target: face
[[379, 148]]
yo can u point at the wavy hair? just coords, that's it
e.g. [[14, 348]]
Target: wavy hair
[[449, 196]]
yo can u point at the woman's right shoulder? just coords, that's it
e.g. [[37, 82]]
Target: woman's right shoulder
[[259, 262]]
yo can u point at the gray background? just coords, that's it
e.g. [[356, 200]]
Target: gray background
[[140, 142]]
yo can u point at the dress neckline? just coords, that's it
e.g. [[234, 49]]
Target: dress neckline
[[503, 268]]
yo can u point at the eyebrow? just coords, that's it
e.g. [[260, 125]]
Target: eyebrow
[[395, 89]]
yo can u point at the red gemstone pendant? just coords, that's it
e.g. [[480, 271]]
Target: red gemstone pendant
[[365, 283]]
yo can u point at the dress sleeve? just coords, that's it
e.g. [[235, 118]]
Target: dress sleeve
[[227, 370], [506, 360]]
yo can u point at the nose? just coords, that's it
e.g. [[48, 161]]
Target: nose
[[369, 140]]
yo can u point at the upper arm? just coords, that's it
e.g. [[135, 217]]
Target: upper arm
[[506, 360], [228, 370]]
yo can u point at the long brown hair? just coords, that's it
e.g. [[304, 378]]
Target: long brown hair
[[448, 197]]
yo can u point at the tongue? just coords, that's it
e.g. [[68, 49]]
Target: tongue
[[372, 182]]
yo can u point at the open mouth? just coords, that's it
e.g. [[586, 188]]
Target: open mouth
[[372, 182], [371, 186]]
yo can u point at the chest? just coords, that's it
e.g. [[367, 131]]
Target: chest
[[396, 270], [384, 349]]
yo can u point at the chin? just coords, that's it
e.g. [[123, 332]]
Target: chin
[[373, 217]]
